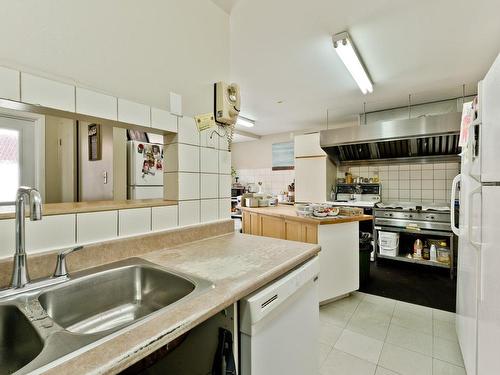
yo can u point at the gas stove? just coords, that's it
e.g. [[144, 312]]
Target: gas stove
[[414, 216]]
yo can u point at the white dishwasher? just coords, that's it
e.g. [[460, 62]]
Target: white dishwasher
[[279, 325]]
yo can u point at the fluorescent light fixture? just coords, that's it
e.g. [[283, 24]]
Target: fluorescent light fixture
[[347, 52], [246, 122]]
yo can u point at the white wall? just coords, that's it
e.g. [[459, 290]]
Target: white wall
[[256, 154], [139, 50]]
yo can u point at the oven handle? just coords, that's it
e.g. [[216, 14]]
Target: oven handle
[[454, 184]]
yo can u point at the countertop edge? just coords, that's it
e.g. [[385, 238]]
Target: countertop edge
[[327, 221], [141, 349]]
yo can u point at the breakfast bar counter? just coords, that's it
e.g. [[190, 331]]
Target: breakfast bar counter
[[337, 235]]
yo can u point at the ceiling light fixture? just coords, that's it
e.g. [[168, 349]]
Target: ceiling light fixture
[[246, 122], [347, 52]]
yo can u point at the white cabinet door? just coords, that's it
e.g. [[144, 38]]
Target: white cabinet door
[[9, 84], [93, 103], [307, 145], [339, 259], [163, 120], [47, 93], [50, 233], [134, 221], [164, 217], [96, 226], [134, 113]]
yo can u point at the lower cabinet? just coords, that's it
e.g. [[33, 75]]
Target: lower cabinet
[[277, 227], [339, 256]]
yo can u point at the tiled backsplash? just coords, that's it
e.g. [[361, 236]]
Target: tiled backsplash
[[273, 182], [429, 182]]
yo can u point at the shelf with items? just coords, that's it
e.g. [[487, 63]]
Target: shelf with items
[[444, 242]]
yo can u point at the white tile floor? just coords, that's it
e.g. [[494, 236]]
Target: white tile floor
[[365, 334]]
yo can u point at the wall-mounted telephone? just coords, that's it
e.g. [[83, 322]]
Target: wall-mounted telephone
[[226, 103]]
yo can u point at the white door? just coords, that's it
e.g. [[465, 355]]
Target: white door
[[468, 271], [485, 166], [18, 158], [489, 283]]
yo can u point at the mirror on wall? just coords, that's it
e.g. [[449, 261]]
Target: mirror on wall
[[74, 160]]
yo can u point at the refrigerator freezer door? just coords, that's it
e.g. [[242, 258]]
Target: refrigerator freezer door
[[489, 288], [145, 163], [468, 272], [145, 192], [485, 156]]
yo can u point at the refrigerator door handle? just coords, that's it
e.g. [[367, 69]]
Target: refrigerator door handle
[[454, 184], [476, 244]]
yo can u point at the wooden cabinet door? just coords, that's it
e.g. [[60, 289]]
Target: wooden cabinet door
[[310, 233], [246, 222], [293, 230], [272, 226], [255, 224]]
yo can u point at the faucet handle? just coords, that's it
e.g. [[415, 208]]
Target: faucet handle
[[61, 269]]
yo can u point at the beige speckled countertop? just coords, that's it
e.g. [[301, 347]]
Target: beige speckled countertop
[[288, 212], [236, 264], [8, 212]]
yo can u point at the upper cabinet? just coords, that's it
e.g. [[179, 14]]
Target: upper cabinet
[[47, 93], [93, 103], [134, 113], [163, 120], [9, 84], [307, 145]]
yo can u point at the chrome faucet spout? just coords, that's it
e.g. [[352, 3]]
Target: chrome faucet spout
[[20, 275]]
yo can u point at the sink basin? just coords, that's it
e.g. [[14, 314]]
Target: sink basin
[[19, 342], [113, 298]]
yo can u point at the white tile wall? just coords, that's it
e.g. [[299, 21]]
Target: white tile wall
[[225, 186], [189, 212], [273, 182], [209, 160], [224, 208], [429, 182], [209, 186], [209, 210], [164, 217], [96, 226], [134, 221]]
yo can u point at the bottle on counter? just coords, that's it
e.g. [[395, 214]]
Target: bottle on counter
[[417, 249], [433, 253]]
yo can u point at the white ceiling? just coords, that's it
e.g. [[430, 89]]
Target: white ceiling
[[226, 5], [281, 50]]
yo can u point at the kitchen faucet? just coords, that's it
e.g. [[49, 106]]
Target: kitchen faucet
[[20, 275]]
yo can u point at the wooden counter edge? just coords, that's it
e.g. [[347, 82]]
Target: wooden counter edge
[[50, 209], [267, 211]]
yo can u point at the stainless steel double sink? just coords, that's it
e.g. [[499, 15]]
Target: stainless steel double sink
[[42, 325]]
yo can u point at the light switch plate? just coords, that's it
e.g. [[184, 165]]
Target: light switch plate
[[175, 104]]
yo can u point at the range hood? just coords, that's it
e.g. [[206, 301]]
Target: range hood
[[419, 139]]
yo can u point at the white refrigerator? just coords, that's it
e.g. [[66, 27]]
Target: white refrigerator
[[478, 268], [145, 170]]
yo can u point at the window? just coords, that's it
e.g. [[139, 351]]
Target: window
[[10, 168], [20, 160]]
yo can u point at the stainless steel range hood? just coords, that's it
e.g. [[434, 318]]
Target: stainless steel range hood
[[419, 139]]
